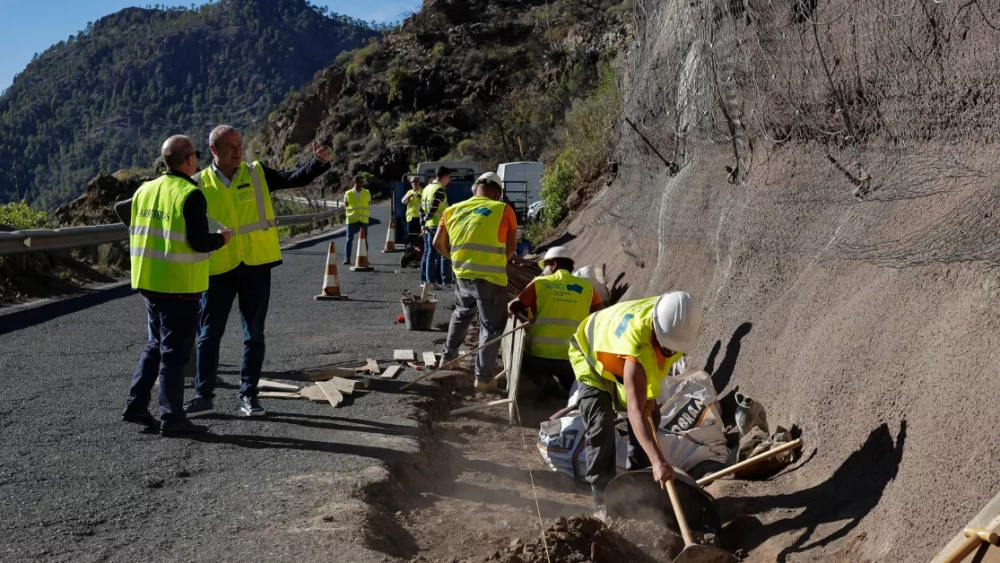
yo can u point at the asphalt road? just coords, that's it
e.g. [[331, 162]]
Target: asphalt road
[[77, 484]]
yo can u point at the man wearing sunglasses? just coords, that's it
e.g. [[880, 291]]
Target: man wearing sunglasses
[[170, 242]]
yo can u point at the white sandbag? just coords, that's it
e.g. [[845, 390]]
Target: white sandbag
[[596, 277], [690, 429], [562, 443]]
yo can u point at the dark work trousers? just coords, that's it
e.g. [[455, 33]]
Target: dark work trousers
[[173, 323], [491, 300], [541, 371], [352, 230], [598, 411], [251, 285]]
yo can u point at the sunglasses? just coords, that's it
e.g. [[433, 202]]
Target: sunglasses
[[197, 154]]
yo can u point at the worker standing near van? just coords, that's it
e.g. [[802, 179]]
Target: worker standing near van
[[412, 202], [433, 202], [480, 235], [620, 356], [558, 301]]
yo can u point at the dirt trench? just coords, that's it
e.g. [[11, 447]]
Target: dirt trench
[[468, 495]]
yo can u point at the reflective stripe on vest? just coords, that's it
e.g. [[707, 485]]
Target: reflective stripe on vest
[[358, 209], [413, 205], [427, 199], [161, 258], [624, 329], [473, 233], [562, 301], [245, 206]]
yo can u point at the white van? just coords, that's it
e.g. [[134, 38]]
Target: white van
[[522, 184]]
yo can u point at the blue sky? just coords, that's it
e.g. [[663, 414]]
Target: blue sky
[[31, 26]]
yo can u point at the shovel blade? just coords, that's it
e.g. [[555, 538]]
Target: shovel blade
[[705, 554]]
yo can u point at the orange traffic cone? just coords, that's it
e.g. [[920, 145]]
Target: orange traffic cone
[[390, 237], [361, 256], [331, 283]]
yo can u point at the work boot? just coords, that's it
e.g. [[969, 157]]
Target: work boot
[[346, 262], [250, 406], [199, 406], [181, 428], [486, 386], [140, 417]]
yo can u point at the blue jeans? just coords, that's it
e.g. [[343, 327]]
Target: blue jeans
[[353, 229], [434, 268], [252, 286], [172, 324]]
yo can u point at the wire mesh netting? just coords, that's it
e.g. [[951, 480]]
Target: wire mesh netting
[[888, 102]]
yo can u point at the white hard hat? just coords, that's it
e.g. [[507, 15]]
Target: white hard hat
[[490, 177], [553, 253], [677, 321]]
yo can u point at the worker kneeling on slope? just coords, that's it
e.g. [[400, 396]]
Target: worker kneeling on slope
[[620, 355], [558, 302]]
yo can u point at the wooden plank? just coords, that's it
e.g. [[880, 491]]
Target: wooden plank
[[472, 408], [373, 367], [430, 360], [313, 393], [276, 386], [329, 374], [391, 372], [403, 355], [362, 382], [345, 386], [279, 395], [333, 396]]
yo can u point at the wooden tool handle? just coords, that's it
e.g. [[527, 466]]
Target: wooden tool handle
[[748, 462], [682, 522], [973, 538]]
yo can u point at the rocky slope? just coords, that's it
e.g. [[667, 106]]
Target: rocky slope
[[835, 212], [490, 81]]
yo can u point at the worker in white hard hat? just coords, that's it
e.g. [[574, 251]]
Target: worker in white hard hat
[[558, 301], [479, 236], [620, 355]]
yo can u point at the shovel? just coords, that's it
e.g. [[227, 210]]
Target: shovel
[[629, 484]]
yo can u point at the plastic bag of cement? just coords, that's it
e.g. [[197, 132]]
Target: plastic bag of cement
[[596, 277], [756, 442], [691, 429], [562, 443]]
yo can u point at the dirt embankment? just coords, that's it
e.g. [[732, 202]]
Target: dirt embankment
[[835, 212]]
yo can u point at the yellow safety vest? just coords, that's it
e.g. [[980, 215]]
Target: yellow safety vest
[[358, 206], [245, 207], [563, 301], [162, 260], [428, 198], [476, 252], [625, 329], [413, 205]]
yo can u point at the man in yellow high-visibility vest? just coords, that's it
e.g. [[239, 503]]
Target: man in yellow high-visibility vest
[[412, 202], [433, 202], [558, 302], [357, 203], [479, 235], [620, 356], [170, 242], [239, 197]]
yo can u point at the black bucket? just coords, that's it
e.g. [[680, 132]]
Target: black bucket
[[419, 315]]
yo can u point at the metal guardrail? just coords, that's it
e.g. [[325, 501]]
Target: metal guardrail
[[37, 240]]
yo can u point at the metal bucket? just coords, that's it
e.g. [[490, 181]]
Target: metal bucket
[[419, 315]]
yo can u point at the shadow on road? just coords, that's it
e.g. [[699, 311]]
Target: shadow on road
[[324, 424], [24, 318], [853, 490]]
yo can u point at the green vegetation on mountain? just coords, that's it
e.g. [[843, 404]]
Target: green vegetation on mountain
[[105, 99]]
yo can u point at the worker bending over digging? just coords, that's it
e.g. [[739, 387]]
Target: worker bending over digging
[[620, 355], [479, 235], [558, 302]]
